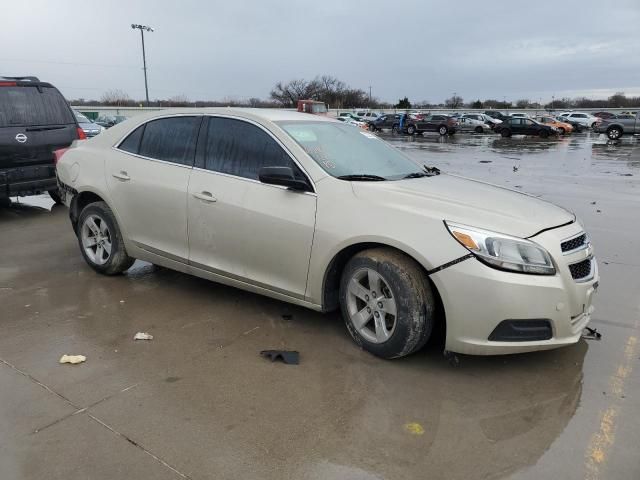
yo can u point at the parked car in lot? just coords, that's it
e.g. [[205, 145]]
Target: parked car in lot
[[108, 121], [584, 119], [492, 122], [35, 119], [616, 127], [89, 128], [351, 121], [442, 124], [467, 124], [604, 115], [273, 203], [525, 126], [389, 121], [496, 114], [562, 127], [369, 116], [349, 115]]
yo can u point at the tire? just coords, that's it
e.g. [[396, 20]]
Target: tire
[[561, 130], [478, 129], [411, 130], [614, 133], [372, 127], [406, 291], [593, 126], [443, 130], [544, 134], [505, 132], [55, 196], [5, 202], [98, 217], [395, 129]]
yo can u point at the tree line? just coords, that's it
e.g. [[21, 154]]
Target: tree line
[[337, 94]]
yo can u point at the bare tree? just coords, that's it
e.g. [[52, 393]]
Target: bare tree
[[178, 101], [455, 101], [116, 97]]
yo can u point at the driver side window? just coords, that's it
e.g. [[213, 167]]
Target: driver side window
[[239, 148]]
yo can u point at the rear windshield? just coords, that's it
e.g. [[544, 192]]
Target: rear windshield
[[26, 106]]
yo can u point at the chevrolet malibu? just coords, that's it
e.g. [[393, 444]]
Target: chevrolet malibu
[[320, 214]]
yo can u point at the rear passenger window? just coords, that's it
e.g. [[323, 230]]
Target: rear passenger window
[[131, 144], [239, 148], [171, 139]]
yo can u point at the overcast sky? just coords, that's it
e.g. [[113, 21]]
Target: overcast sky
[[423, 49]]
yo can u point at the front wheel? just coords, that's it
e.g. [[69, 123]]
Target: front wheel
[[614, 133], [443, 130], [411, 130], [100, 240], [395, 129], [478, 129], [505, 132], [561, 130], [387, 303], [55, 196], [544, 134]]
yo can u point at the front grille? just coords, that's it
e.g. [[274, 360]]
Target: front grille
[[580, 270], [574, 243]]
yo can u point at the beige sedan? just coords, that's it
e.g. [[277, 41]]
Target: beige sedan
[[310, 211]]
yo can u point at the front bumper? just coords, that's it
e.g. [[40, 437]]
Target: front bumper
[[478, 298]]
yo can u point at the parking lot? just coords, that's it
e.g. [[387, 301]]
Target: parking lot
[[198, 401]]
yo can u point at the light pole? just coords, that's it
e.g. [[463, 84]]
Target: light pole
[[142, 29], [369, 96]]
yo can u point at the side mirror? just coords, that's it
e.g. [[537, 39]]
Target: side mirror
[[282, 176]]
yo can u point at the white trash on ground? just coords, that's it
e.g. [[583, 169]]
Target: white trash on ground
[[143, 336], [72, 359]]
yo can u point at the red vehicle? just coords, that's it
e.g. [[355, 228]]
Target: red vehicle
[[312, 106]]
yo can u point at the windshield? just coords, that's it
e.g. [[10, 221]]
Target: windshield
[[344, 151]]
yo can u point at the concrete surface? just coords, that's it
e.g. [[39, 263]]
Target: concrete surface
[[199, 402]]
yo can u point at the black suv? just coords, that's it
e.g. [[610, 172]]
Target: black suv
[[35, 120], [524, 126]]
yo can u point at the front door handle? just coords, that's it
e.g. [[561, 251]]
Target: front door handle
[[122, 176], [205, 197]]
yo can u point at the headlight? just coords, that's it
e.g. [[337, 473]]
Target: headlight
[[503, 251]]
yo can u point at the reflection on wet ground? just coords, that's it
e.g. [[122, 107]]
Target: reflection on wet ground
[[199, 402]]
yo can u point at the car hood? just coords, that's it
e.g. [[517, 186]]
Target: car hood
[[470, 202]]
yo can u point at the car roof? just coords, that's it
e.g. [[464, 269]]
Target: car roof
[[257, 114]]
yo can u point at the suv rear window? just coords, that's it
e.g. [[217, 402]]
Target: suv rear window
[[28, 106]]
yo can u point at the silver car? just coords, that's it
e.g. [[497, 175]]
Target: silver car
[[89, 128]]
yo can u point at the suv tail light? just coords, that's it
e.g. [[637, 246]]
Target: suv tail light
[[57, 154], [81, 134], [7, 84]]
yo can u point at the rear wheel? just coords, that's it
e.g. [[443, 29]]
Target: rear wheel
[[100, 240], [55, 195], [478, 129], [387, 303], [614, 133], [411, 130], [443, 130], [544, 134], [505, 132]]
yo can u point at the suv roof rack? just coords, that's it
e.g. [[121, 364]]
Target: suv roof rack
[[21, 79]]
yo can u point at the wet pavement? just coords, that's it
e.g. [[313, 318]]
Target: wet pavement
[[199, 402]]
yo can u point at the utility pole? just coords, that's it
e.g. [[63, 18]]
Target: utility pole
[[142, 29]]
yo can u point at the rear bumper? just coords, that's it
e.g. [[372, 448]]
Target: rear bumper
[[24, 181]]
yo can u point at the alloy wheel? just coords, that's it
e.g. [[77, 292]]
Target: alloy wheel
[[96, 239], [371, 306]]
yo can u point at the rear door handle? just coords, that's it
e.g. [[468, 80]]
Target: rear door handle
[[121, 176], [205, 197]]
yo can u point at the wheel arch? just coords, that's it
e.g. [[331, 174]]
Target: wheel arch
[[333, 274], [81, 200]]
